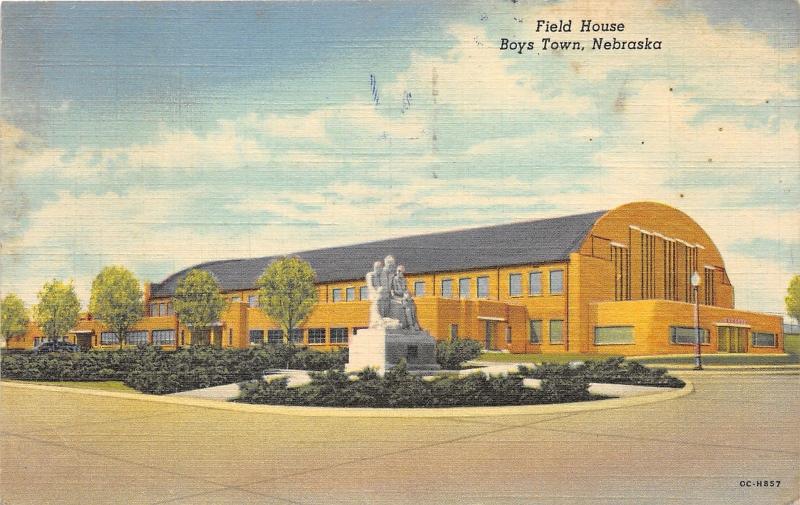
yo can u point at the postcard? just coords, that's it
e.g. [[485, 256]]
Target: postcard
[[366, 252]]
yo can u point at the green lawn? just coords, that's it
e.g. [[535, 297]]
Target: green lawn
[[724, 359], [503, 357], [792, 343], [114, 386], [708, 359]]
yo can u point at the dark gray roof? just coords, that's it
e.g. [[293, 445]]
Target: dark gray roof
[[528, 242]]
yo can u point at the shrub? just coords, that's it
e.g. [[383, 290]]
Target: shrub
[[398, 388], [152, 370], [307, 359], [451, 354], [612, 371]]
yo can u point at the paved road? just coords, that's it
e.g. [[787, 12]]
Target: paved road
[[69, 448]]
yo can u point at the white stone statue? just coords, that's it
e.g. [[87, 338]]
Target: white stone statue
[[389, 271], [394, 333], [391, 304], [400, 291], [378, 294]]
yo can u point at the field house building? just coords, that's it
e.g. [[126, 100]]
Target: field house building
[[609, 282]]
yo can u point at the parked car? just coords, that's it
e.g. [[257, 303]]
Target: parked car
[[56, 346]]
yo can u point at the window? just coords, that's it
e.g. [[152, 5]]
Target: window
[[363, 293], [535, 331], [136, 337], [153, 310], [336, 295], [274, 336], [236, 299], [535, 283], [108, 338], [163, 337], [556, 327], [297, 336], [453, 331], [338, 335], [463, 288], [170, 309], [761, 339], [252, 301], [256, 337], [162, 309], [483, 287], [647, 246], [604, 335], [447, 288], [556, 282], [316, 335], [686, 335], [350, 294], [419, 288], [515, 284], [710, 295], [622, 270], [508, 334]]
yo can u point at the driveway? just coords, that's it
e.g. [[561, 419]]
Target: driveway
[[71, 448]]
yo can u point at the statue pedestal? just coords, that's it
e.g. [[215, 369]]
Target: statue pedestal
[[383, 348]]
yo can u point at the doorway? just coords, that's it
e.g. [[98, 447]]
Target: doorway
[[732, 338], [84, 341], [489, 334]]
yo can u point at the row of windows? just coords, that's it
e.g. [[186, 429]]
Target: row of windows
[[315, 336], [556, 284], [252, 300], [555, 335], [677, 335], [161, 309], [160, 337], [349, 294], [464, 287], [615, 335]]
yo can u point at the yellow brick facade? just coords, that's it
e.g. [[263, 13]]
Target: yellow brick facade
[[628, 276]]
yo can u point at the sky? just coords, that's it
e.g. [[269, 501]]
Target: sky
[[161, 135]]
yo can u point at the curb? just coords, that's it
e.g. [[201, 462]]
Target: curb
[[510, 410], [715, 372]]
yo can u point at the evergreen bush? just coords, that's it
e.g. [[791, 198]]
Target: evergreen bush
[[451, 354]]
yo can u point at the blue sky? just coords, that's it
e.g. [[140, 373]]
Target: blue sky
[[160, 135]]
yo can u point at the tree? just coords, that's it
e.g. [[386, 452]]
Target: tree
[[116, 300], [287, 293], [793, 298], [198, 303], [58, 309], [14, 317]]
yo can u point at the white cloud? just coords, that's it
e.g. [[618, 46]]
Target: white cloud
[[651, 144], [474, 77]]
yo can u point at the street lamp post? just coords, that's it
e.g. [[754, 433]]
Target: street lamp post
[[698, 362]]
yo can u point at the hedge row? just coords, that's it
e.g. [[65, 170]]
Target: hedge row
[[397, 388], [152, 370], [611, 371]]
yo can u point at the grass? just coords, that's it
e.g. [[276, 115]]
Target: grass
[[562, 358], [113, 386], [792, 343], [708, 359], [723, 359]]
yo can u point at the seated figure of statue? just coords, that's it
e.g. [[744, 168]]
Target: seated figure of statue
[[411, 313], [400, 291]]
